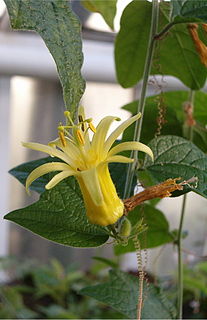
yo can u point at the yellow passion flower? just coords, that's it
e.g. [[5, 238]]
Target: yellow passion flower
[[88, 161]]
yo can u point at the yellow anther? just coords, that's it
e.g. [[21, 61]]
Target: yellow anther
[[62, 137], [91, 126], [81, 122], [60, 128], [67, 114], [68, 117], [80, 136]]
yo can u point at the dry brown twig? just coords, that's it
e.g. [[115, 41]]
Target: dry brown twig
[[161, 190]]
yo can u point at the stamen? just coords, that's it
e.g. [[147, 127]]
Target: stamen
[[80, 118], [82, 127], [68, 117], [62, 138], [91, 126], [80, 136]]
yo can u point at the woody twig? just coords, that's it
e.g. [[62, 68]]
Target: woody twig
[[161, 190]]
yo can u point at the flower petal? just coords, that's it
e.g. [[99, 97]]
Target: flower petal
[[101, 132], [120, 159], [49, 150], [131, 145], [58, 178], [43, 169], [70, 149], [118, 131], [89, 178]]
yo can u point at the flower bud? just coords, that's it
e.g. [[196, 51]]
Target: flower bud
[[126, 228]]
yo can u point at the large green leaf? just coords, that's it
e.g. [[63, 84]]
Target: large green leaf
[[195, 8], [59, 216], [131, 42], [59, 27], [157, 229], [189, 10], [175, 54], [121, 293], [176, 157], [176, 7], [106, 8]]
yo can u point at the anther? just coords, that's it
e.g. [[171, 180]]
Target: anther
[[62, 137], [80, 137], [68, 117], [80, 118], [91, 126], [67, 114]]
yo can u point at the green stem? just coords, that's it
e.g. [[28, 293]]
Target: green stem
[[180, 260], [166, 29], [179, 238], [141, 105]]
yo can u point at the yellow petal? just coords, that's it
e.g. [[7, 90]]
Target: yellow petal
[[71, 150], [49, 150], [116, 133], [101, 132], [120, 159], [58, 178], [43, 169], [110, 208], [91, 182], [132, 145]]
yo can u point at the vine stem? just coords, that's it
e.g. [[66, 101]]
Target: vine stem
[[179, 238], [141, 104], [180, 260], [140, 275]]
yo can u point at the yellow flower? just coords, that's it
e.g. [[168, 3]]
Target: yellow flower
[[88, 162]]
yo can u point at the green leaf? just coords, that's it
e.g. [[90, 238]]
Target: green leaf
[[173, 116], [107, 262], [12, 304], [172, 125], [121, 293], [59, 27], [176, 7], [59, 216], [22, 171], [157, 229], [131, 42], [176, 157], [106, 8], [118, 173], [175, 54], [190, 10]]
